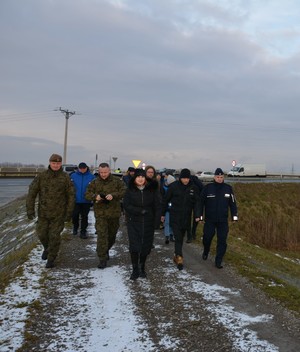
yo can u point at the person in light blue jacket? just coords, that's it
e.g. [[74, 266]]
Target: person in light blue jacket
[[81, 178]]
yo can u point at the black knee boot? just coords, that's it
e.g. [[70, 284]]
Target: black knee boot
[[135, 266], [143, 273]]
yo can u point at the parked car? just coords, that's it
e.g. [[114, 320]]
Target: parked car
[[69, 168], [206, 175]]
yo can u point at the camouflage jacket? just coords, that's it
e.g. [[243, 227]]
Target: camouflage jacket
[[56, 195], [112, 185]]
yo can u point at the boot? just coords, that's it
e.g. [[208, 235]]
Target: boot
[[135, 273], [167, 241], [172, 238], [178, 260], [45, 254], [102, 264], [50, 264], [135, 265], [143, 273]]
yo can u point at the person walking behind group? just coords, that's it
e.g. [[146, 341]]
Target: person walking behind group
[[81, 178], [168, 180], [142, 203], [129, 174], [106, 191], [192, 225], [183, 194], [56, 199], [215, 199]]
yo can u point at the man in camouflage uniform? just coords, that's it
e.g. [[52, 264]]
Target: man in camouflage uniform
[[55, 205], [106, 191]]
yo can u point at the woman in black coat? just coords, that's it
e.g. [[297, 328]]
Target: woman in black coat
[[142, 204]]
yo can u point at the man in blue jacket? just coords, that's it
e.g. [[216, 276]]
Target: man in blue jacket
[[215, 199], [81, 179]]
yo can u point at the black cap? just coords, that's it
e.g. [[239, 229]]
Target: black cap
[[219, 172], [82, 166], [185, 173], [130, 169]]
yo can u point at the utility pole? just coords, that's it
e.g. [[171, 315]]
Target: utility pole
[[67, 114]]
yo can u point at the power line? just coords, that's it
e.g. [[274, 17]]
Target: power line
[[24, 116]]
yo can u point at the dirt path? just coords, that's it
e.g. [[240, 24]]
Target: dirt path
[[200, 308]]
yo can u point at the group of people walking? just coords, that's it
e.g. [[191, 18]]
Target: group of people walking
[[148, 200]]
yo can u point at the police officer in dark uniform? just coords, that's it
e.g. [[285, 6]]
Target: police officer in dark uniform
[[215, 199]]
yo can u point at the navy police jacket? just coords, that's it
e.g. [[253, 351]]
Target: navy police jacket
[[215, 200]]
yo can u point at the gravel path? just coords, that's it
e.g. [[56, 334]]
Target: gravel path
[[200, 308]]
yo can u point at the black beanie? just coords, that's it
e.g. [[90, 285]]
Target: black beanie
[[185, 173], [219, 171], [139, 172]]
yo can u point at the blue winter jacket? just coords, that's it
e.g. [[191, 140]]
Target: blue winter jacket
[[81, 182]]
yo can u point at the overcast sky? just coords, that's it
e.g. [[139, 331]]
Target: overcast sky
[[175, 84]]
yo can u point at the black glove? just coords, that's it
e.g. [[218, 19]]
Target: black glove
[[103, 200], [144, 211]]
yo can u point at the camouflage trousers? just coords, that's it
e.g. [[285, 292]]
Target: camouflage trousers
[[107, 229], [49, 232]]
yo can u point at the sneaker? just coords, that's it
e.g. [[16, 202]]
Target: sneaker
[[172, 238], [204, 256], [219, 266], [50, 264], [84, 236], [74, 232], [167, 241], [188, 241], [45, 255], [102, 264], [178, 260]]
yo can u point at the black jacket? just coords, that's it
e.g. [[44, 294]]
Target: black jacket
[[143, 209], [215, 199], [183, 200]]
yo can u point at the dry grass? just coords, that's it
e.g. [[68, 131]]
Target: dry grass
[[269, 215]]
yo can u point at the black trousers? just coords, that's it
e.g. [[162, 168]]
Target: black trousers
[[178, 234], [81, 212], [209, 230], [191, 227]]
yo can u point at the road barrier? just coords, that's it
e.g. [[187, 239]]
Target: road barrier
[[20, 171]]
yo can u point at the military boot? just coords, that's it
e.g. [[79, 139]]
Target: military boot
[[102, 264], [45, 254], [178, 260], [50, 264]]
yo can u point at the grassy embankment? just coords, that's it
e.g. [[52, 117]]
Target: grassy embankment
[[264, 245]]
